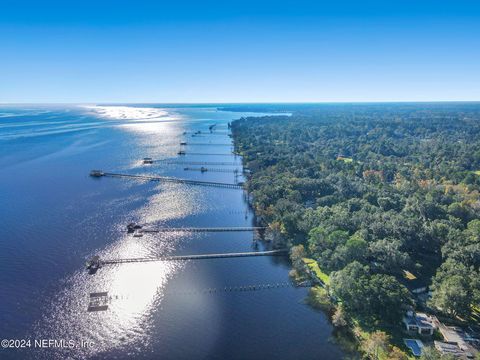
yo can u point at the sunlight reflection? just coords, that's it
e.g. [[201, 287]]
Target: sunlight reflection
[[127, 112], [137, 287], [171, 202], [135, 290]]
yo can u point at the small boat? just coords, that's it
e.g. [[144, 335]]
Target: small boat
[[183, 143], [147, 160], [138, 233], [94, 263], [97, 173], [181, 152], [132, 227], [203, 169]]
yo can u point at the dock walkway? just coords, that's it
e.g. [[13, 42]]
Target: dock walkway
[[204, 229], [193, 257], [203, 169], [206, 154], [215, 163], [205, 144], [100, 173]]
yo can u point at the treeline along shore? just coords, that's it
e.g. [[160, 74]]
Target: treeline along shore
[[380, 204]]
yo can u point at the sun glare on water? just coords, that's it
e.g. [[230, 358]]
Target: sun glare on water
[[127, 112]]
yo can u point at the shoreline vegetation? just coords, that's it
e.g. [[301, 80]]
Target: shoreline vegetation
[[380, 207]]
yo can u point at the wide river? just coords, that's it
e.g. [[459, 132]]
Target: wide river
[[54, 217]]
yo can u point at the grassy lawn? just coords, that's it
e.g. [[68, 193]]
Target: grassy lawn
[[475, 317], [477, 172], [319, 299], [344, 159], [408, 275], [313, 265]]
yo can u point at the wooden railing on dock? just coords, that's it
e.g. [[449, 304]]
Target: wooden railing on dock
[[208, 154], [204, 229], [218, 163], [195, 257], [203, 169], [205, 144], [99, 173]]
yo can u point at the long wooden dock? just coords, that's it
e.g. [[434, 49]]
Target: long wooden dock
[[204, 169], [99, 173], [280, 252], [205, 144], [207, 154], [214, 163], [224, 133], [203, 229], [199, 132]]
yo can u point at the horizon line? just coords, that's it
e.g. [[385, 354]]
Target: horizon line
[[107, 103]]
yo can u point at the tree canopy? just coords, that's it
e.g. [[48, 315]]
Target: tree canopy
[[371, 191]]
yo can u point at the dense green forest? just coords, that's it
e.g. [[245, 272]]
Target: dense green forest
[[373, 192]]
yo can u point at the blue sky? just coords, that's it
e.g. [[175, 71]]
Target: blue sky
[[242, 51]]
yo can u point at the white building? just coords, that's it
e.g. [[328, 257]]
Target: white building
[[419, 322]]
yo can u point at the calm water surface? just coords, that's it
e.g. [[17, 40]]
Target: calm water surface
[[55, 216]]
